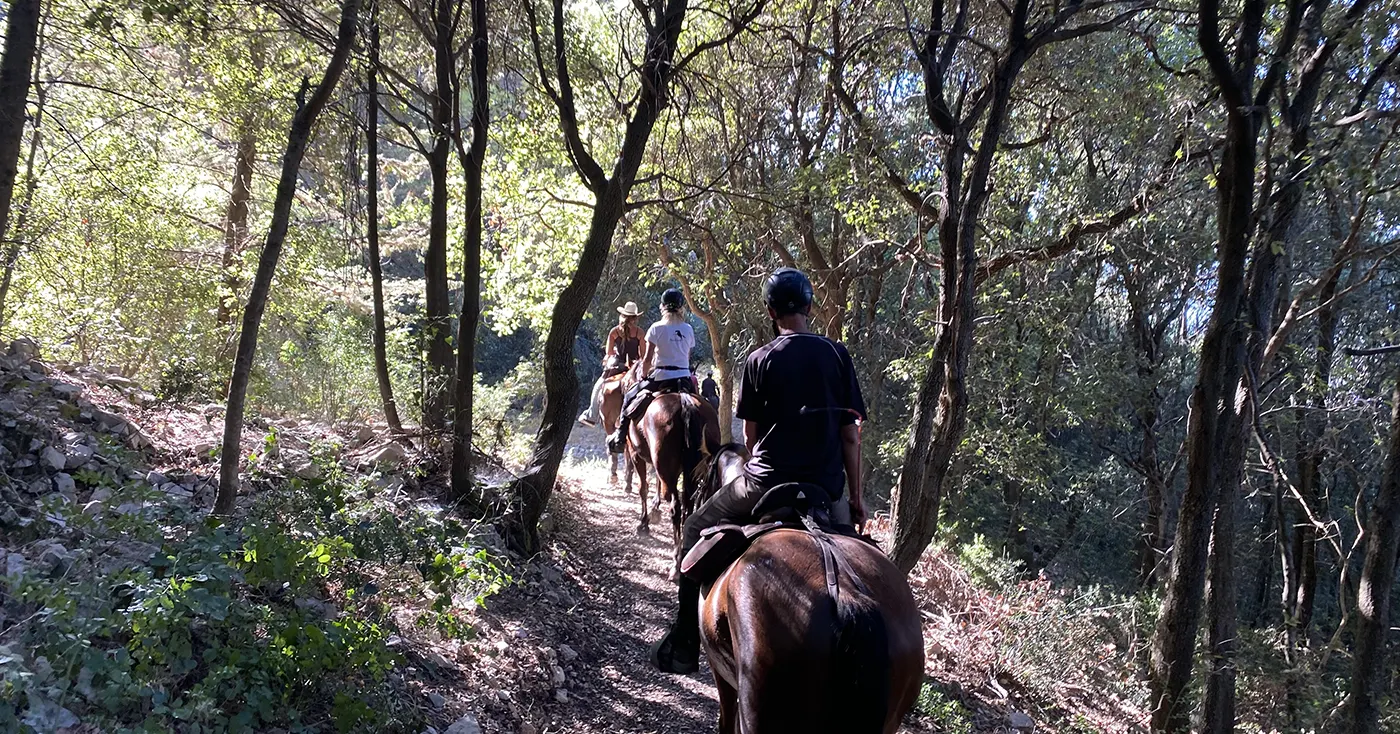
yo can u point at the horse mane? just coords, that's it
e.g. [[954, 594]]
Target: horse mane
[[712, 482]]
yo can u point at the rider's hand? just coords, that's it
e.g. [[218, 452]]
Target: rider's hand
[[857, 513]]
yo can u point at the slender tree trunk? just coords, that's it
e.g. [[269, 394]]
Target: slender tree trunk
[[473, 161], [236, 220], [376, 271], [437, 303], [1174, 641], [940, 413], [31, 183], [21, 41], [308, 109], [534, 488], [1369, 673]]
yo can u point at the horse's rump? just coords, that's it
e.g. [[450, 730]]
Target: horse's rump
[[802, 660]]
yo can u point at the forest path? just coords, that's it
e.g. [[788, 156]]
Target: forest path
[[623, 601]]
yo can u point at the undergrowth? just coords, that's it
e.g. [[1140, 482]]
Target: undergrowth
[[165, 620]]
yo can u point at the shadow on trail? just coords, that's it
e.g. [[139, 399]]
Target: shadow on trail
[[611, 602]]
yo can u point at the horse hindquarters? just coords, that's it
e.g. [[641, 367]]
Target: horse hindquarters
[[768, 627]]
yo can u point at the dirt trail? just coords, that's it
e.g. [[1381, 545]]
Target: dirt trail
[[601, 590], [617, 601]]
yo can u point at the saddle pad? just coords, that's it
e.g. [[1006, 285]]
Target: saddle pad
[[720, 546]]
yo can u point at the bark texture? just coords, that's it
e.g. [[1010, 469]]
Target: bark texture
[[1368, 676], [473, 160], [376, 271], [21, 41], [437, 305], [531, 492]]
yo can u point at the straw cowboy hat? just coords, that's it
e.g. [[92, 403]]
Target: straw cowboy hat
[[629, 310]]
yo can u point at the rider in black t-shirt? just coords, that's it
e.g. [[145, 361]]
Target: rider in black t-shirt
[[800, 404], [709, 389]]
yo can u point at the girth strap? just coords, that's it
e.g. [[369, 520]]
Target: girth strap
[[833, 561]]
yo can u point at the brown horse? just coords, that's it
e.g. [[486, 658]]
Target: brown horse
[[676, 435], [613, 390], [790, 656]]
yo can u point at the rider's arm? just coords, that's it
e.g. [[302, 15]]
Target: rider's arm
[[612, 343], [648, 357], [750, 435], [850, 456]]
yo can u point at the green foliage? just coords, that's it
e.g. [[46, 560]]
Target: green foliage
[[947, 715], [183, 379], [277, 624], [988, 566]]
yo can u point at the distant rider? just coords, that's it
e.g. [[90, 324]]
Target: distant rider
[[800, 403], [709, 389], [624, 347], [665, 361]]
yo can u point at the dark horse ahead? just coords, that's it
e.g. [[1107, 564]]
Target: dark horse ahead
[[789, 655], [677, 434]]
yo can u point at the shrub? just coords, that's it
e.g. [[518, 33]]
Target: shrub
[[215, 629]]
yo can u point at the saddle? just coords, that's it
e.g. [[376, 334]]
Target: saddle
[[794, 506], [655, 390]]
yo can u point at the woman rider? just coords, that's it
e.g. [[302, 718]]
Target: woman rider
[[666, 362], [623, 348]]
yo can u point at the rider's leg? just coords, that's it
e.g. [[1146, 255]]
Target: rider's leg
[[734, 502], [619, 437], [679, 650], [593, 414]]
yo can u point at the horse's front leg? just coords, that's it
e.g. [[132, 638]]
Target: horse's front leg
[[612, 469]]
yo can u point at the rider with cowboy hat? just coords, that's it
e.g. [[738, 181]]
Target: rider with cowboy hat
[[801, 404], [623, 348], [666, 362]]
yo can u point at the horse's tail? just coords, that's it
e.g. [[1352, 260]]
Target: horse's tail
[[861, 663], [693, 460]]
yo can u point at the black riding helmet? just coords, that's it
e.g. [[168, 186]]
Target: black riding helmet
[[672, 300], [788, 291]]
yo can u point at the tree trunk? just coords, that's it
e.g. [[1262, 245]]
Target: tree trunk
[[1215, 427], [436, 301], [940, 413], [376, 270], [534, 488], [473, 160], [236, 220], [21, 40], [308, 109], [31, 183], [1368, 672]]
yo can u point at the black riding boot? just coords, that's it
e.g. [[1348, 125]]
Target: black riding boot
[[678, 651], [618, 440]]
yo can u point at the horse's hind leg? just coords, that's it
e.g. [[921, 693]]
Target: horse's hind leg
[[728, 707], [643, 527]]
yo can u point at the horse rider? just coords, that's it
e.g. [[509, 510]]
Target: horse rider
[[709, 389], [801, 404], [624, 347], [666, 362]]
